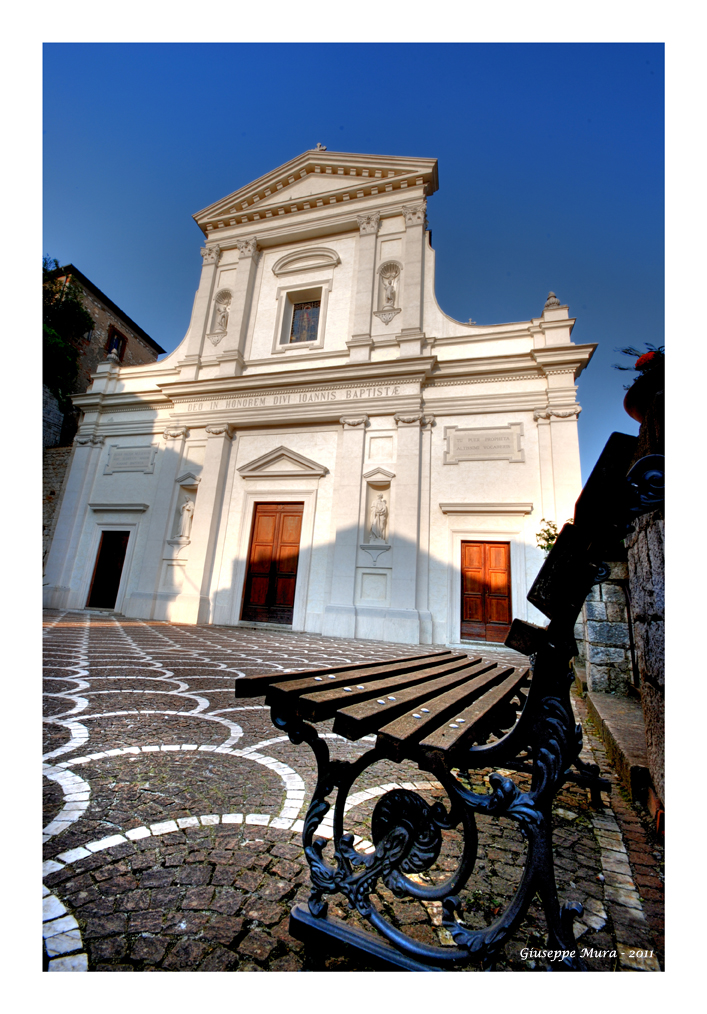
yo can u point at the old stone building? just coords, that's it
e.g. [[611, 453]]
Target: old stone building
[[326, 448], [113, 331]]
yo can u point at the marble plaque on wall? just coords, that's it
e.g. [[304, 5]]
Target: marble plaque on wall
[[131, 459], [492, 443]]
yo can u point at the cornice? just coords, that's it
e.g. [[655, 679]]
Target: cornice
[[370, 175], [563, 358], [132, 508], [334, 216], [483, 368], [486, 508], [480, 404], [121, 402], [361, 374], [498, 379]]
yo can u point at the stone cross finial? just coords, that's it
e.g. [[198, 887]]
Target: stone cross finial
[[320, 146], [552, 301]]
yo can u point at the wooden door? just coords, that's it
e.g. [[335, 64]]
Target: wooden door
[[108, 570], [272, 563], [486, 590]]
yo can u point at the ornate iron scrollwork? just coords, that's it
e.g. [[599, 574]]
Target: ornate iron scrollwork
[[406, 831], [647, 481]]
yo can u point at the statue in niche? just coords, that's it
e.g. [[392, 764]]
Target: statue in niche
[[389, 274], [221, 316], [379, 518], [186, 514]]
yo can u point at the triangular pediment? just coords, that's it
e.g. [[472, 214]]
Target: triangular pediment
[[378, 475], [314, 175], [188, 479], [282, 463]]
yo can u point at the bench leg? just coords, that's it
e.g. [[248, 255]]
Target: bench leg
[[406, 832]]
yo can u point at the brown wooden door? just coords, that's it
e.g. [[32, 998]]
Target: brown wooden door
[[108, 570], [272, 563], [486, 590]]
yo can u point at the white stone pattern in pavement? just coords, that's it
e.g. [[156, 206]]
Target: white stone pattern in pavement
[[250, 651], [228, 654]]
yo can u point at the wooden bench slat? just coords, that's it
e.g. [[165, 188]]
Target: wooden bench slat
[[399, 737], [256, 685], [445, 740], [360, 719], [323, 704]]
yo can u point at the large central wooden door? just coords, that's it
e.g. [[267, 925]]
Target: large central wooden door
[[486, 590], [272, 563]]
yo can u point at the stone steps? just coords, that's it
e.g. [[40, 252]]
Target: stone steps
[[622, 728]]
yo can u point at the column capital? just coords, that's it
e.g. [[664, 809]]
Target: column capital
[[220, 430], [351, 422], [175, 432], [89, 440], [368, 224], [247, 247], [556, 413], [415, 213], [211, 254], [408, 420]]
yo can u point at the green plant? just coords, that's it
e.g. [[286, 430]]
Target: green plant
[[547, 534], [66, 323]]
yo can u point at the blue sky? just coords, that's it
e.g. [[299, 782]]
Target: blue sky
[[550, 166]]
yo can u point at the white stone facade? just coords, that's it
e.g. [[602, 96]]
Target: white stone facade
[[468, 432]]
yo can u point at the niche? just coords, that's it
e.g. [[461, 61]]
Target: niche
[[219, 316], [388, 291]]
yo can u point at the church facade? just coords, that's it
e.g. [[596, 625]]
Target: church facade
[[326, 449]]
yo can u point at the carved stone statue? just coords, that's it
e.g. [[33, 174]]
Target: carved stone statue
[[186, 514], [389, 291], [222, 317], [379, 518]]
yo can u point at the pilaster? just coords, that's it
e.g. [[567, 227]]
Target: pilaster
[[231, 358], [189, 364], [359, 346], [423, 559], [411, 336], [74, 506], [193, 605], [402, 619], [339, 618], [141, 602]]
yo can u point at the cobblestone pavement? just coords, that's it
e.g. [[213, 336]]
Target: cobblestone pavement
[[172, 815]]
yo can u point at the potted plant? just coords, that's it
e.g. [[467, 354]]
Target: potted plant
[[650, 367]]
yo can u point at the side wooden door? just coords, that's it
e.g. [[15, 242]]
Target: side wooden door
[[272, 563], [486, 590]]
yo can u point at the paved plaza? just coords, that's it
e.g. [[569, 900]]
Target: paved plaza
[[173, 815]]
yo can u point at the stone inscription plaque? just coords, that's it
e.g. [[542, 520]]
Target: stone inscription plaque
[[264, 399], [497, 443], [131, 459]]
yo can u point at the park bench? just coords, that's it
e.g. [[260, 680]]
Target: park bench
[[451, 713]]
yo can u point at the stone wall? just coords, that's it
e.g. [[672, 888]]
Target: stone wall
[[646, 560], [604, 634], [137, 350], [56, 463], [52, 418]]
